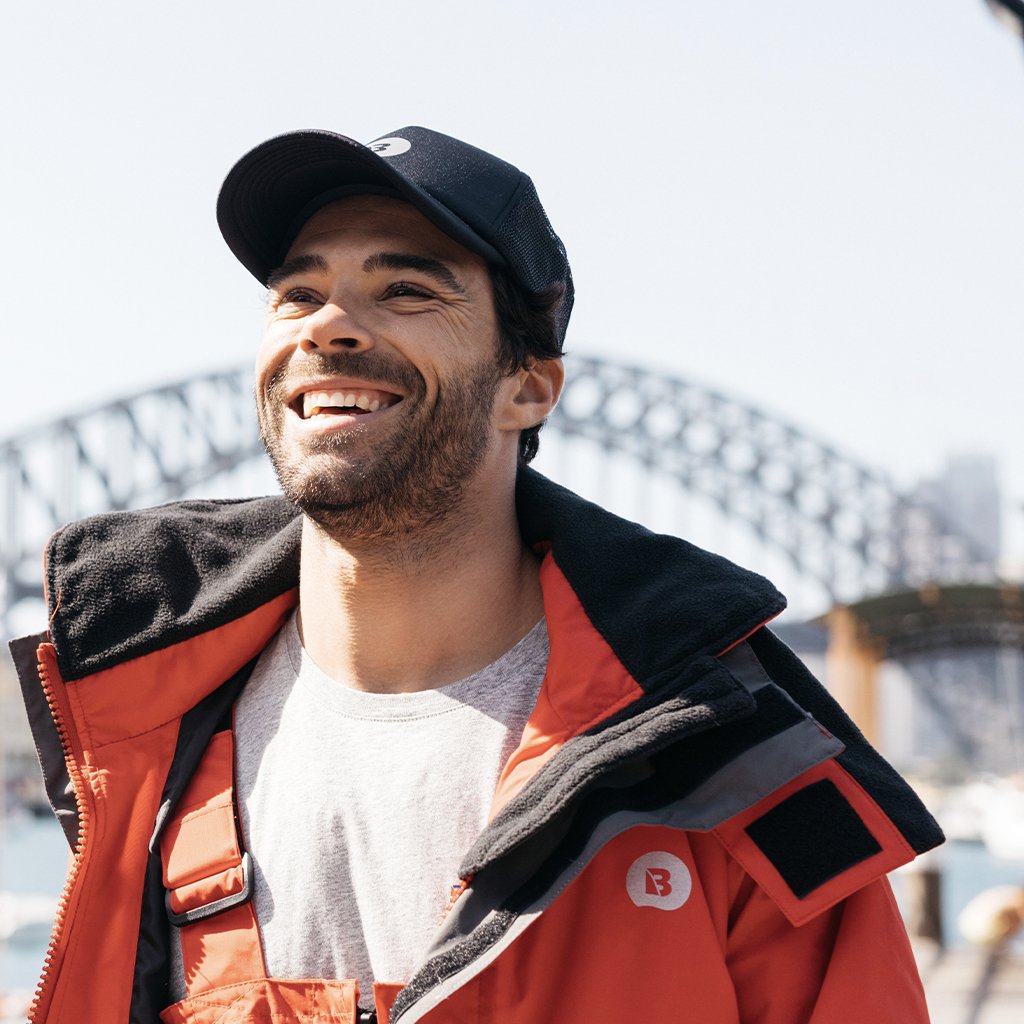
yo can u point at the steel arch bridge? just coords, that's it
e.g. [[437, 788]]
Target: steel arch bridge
[[841, 524]]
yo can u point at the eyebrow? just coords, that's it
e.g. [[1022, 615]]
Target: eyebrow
[[408, 261], [298, 265], [314, 263]]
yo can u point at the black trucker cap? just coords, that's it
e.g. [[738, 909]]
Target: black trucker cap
[[484, 203]]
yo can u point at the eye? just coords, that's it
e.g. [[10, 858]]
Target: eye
[[406, 289], [298, 296], [295, 301]]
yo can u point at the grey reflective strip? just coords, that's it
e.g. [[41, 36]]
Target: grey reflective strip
[[755, 774], [742, 662]]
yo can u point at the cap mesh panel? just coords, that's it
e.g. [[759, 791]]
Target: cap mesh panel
[[534, 252]]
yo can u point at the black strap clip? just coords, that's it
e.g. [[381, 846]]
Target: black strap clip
[[236, 899]]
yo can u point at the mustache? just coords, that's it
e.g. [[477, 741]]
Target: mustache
[[372, 366]]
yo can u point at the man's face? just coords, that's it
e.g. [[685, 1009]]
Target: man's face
[[377, 375]]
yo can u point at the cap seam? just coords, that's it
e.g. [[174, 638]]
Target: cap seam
[[524, 180]]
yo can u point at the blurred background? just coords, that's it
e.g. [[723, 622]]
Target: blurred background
[[797, 236]]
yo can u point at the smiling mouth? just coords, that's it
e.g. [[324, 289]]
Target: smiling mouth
[[350, 401]]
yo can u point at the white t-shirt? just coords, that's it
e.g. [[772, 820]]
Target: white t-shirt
[[357, 808]]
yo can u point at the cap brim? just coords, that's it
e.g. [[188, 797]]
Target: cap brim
[[265, 193]]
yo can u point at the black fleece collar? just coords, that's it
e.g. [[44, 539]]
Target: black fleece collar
[[655, 599], [124, 584]]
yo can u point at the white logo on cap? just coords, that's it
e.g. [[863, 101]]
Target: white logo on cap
[[659, 880], [390, 147]]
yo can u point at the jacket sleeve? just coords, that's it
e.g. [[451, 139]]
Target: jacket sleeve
[[851, 962]]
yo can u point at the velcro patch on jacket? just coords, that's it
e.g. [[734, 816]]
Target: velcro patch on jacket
[[815, 841], [834, 838]]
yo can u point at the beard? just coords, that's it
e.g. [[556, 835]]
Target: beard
[[411, 479]]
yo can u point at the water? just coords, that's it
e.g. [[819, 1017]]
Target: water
[[968, 870], [33, 860]]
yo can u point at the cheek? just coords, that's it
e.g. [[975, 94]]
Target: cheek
[[464, 343], [271, 353]]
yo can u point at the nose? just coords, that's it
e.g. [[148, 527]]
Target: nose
[[331, 328]]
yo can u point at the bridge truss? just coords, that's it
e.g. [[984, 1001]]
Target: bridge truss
[[838, 522], [133, 452]]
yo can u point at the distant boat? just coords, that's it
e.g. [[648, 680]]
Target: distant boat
[[988, 811]]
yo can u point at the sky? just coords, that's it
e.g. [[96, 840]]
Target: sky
[[813, 207]]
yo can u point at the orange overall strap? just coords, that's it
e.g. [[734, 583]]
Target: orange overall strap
[[209, 880], [384, 995]]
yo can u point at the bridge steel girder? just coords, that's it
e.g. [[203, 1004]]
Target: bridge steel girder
[[136, 451], [840, 523]]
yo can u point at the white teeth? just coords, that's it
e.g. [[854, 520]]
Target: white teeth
[[314, 402]]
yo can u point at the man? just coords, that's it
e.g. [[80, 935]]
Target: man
[[432, 739]]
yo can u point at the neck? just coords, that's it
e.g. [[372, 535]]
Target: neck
[[414, 614]]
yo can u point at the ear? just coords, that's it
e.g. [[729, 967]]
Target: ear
[[530, 394]]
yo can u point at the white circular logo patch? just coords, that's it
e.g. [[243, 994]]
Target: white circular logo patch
[[659, 880], [390, 147]]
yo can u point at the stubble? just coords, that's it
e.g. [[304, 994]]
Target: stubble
[[406, 483]]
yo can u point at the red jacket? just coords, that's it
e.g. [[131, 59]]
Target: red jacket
[[690, 830]]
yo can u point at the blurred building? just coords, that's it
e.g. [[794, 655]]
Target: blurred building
[[967, 494]]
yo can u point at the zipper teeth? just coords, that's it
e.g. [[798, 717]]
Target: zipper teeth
[[76, 857], [454, 892]]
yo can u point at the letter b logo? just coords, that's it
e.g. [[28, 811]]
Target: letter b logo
[[660, 880], [658, 883]]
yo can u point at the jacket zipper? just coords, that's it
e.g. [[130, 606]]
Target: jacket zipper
[[74, 774], [454, 892]]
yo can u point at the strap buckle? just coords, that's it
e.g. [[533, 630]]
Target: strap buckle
[[235, 899]]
